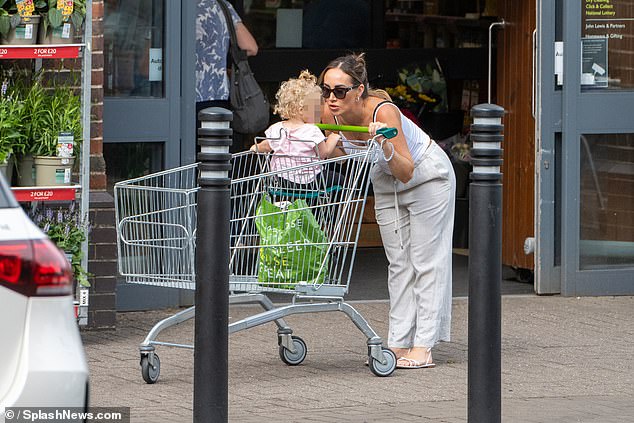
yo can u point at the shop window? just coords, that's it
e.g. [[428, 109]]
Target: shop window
[[130, 160], [319, 24], [606, 201], [133, 48]]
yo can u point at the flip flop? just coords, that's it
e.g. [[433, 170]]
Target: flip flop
[[414, 364]]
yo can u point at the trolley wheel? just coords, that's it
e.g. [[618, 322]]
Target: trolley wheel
[[386, 369], [150, 373], [293, 359]]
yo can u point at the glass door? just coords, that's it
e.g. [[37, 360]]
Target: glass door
[[142, 80], [585, 209], [142, 108]]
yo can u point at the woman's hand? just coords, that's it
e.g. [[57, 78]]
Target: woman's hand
[[374, 126]]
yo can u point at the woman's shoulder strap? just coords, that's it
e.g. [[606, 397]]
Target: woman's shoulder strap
[[378, 106]]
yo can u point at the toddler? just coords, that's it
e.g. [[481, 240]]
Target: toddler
[[296, 140]]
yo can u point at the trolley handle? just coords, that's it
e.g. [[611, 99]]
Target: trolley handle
[[386, 132]]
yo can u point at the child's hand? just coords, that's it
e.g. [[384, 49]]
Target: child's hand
[[254, 148]]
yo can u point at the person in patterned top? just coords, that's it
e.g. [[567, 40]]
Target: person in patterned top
[[212, 46]]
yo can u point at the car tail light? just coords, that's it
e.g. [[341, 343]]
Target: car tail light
[[35, 268]]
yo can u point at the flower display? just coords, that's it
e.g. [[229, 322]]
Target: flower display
[[420, 89], [68, 229]]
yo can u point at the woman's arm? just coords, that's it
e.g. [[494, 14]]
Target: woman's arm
[[245, 40], [395, 149]]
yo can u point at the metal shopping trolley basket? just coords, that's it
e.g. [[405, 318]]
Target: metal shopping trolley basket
[[295, 223]]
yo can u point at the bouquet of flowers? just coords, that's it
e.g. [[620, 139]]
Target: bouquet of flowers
[[420, 89]]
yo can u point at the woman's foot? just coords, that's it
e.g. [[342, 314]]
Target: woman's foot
[[399, 352], [417, 358]]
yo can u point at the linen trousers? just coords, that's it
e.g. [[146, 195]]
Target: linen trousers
[[416, 225]]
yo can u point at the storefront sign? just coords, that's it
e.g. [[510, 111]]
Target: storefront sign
[[594, 62], [611, 21], [155, 70], [559, 62]]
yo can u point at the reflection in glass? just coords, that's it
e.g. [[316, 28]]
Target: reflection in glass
[[130, 160], [309, 23], [606, 203], [133, 48]]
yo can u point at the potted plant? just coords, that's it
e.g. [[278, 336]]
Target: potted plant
[[35, 104], [18, 25], [56, 135], [68, 229], [58, 25], [13, 136]]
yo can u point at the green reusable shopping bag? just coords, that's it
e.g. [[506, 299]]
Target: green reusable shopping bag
[[292, 245]]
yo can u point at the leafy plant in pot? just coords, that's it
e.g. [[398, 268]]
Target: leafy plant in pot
[[34, 100], [59, 25], [57, 136], [12, 132], [16, 28]]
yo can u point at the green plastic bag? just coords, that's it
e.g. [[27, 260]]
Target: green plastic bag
[[292, 245]]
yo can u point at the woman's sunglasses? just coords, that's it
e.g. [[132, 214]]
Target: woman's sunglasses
[[339, 92]]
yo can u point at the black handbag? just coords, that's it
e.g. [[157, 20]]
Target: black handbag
[[251, 109]]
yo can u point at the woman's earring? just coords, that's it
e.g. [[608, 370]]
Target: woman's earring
[[356, 99]]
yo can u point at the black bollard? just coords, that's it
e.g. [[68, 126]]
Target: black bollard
[[211, 352], [485, 265]]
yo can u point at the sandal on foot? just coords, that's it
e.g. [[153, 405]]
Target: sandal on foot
[[413, 364], [367, 361]]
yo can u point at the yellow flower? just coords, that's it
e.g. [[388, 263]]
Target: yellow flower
[[426, 98]]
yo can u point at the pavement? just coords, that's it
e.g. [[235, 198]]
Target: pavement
[[563, 360]]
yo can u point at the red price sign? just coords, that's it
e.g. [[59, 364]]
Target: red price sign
[[27, 52], [44, 194]]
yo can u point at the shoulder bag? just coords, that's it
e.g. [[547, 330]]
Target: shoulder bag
[[251, 110]]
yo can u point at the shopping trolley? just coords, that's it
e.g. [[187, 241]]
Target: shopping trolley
[[295, 224]]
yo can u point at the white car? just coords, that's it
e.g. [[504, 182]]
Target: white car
[[42, 361]]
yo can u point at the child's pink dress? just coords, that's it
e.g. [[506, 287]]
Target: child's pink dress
[[295, 147]]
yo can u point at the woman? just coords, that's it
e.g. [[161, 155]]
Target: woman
[[212, 47], [414, 191]]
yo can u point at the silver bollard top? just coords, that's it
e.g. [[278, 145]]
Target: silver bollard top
[[487, 110], [215, 114]]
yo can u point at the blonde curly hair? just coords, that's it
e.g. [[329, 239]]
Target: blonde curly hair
[[292, 93]]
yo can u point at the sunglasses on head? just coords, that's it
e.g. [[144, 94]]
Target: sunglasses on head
[[339, 92]]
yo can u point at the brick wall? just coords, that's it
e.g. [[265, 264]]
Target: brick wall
[[102, 252]]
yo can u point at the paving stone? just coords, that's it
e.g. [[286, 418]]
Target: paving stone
[[563, 360]]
